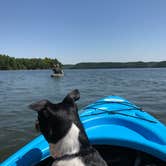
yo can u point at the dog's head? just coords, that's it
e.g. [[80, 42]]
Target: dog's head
[[56, 119]]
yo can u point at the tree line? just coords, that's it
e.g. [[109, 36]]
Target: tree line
[[11, 63], [94, 65]]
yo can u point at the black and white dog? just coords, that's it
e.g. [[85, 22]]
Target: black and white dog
[[62, 128]]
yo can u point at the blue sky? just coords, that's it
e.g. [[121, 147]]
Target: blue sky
[[84, 30]]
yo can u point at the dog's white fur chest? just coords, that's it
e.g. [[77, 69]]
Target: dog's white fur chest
[[72, 162], [68, 144]]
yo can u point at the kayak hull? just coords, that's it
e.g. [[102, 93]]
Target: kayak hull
[[57, 75]]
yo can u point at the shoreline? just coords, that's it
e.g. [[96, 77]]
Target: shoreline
[[85, 68]]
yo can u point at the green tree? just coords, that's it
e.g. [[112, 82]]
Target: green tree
[[11, 63]]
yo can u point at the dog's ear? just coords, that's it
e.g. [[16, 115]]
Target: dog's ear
[[72, 96], [40, 105]]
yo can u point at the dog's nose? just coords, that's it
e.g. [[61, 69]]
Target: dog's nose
[[37, 126]]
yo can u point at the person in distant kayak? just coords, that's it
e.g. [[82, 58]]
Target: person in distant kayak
[[56, 69]]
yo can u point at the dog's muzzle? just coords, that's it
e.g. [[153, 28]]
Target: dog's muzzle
[[37, 126]]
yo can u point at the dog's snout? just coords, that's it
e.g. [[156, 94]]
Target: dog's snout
[[37, 126]]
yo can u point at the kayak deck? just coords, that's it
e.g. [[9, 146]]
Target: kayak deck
[[124, 124]]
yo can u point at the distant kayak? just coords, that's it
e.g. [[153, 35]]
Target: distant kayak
[[57, 71], [57, 75], [122, 132]]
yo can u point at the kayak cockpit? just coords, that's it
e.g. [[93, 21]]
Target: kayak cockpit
[[120, 156]]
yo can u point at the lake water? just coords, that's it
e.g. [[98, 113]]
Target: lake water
[[144, 87]]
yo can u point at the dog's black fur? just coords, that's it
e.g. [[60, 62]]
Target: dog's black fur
[[55, 120]]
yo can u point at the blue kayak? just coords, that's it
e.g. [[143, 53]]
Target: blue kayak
[[117, 128]]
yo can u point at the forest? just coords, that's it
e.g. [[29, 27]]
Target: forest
[[11, 63]]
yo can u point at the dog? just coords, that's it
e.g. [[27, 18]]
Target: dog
[[62, 128]]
